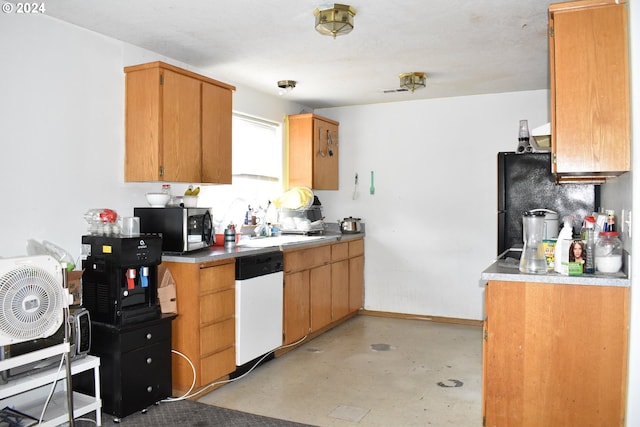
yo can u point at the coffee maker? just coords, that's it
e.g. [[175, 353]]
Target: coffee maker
[[120, 279]]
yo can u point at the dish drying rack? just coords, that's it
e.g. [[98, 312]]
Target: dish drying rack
[[303, 221]]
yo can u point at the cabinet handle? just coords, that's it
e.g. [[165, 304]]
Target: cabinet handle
[[149, 360], [149, 336], [149, 389]]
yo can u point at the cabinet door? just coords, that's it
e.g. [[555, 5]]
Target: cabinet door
[[216, 134], [555, 354], [325, 155], [181, 154], [320, 296], [340, 289], [296, 306], [356, 283], [590, 88], [143, 157]]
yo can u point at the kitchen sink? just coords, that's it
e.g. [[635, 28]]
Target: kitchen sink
[[266, 242]]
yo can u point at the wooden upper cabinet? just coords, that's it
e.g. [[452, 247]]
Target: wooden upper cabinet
[[313, 152], [590, 123], [216, 134], [178, 126]]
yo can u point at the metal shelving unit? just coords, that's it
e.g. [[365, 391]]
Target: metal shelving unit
[[28, 393]]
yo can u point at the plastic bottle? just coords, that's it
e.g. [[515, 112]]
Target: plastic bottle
[[560, 252], [589, 239]]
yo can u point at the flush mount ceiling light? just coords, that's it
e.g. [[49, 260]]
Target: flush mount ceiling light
[[334, 19], [413, 81], [286, 86]]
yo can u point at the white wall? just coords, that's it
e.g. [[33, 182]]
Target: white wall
[[431, 224], [62, 129]]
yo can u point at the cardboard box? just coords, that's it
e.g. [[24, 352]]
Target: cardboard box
[[167, 291], [74, 283]]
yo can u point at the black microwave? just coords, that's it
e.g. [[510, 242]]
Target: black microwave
[[182, 229]]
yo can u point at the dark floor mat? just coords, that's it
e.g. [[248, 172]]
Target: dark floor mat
[[185, 413]]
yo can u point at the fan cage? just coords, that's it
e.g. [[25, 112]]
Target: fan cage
[[31, 302]]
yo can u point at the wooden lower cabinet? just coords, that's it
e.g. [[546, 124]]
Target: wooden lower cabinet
[[356, 275], [296, 315], [204, 330], [555, 355], [322, 285]]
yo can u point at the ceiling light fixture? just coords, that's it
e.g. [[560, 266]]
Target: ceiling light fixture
[[286, 86], [413, 81], [334, 19]]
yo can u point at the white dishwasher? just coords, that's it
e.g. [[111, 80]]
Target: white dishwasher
[[259, 281]]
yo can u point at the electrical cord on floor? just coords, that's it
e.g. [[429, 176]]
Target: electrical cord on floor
[[187, 395]]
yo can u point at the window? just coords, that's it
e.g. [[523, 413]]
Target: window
[[257, 148], [257, 152]]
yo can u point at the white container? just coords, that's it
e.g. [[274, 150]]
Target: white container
[[608, 253], [609, 264], [190, 201]]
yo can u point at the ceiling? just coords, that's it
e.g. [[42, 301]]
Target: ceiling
[[465, 47]]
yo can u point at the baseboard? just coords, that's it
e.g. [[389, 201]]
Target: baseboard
[[439, 319]]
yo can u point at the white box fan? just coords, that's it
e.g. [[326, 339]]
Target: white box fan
[[32, 298]]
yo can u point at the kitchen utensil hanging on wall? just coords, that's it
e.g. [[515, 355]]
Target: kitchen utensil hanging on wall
[[372, 188], [355, 187]]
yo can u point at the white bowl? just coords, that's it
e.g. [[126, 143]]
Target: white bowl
[[158, 200]]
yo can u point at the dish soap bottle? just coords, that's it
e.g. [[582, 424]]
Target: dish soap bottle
[[561, 251]]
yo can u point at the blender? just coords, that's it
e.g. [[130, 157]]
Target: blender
[[533, 260]]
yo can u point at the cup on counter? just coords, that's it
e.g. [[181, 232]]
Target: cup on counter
[[130, 226]]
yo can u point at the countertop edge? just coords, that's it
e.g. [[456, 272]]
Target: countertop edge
[[219, 253], [497, 273]]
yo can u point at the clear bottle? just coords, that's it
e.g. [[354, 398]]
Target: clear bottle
[[590, 246], [166, 189], [608, 252]]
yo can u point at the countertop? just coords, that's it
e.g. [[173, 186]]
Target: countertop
[[497, 271], [219, 253]]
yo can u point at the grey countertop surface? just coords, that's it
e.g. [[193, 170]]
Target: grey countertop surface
[[499, 271], [219, 253]]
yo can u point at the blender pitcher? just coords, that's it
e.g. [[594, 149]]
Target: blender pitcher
[[533, 260]]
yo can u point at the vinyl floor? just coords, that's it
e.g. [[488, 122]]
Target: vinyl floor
[[369, 371]]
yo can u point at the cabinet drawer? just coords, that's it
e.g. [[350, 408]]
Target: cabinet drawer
[[218, 365], [356, 247], [146, 376], [306, 258], [217, 336], [145, 336], [217, 277], [217, 306], [339, 251]]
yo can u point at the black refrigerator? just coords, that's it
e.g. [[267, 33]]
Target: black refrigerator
[[525, 182]]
